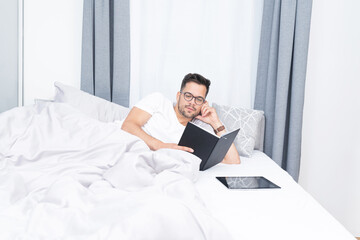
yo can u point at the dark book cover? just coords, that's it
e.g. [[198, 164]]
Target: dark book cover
[[210, 148]]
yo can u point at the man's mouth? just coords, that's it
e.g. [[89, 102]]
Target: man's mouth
[[190, 108]]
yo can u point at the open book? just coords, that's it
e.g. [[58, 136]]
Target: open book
[[210, 148]]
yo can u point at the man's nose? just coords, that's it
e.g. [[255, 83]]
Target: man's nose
[[193, 101]]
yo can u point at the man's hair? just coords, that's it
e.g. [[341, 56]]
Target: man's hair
[[196, 78]]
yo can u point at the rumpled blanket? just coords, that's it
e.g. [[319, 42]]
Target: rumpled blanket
[[64, 175]]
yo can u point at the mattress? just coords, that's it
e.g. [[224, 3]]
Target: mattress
[[286, 213]]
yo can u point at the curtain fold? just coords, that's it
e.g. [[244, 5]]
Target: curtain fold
[[281, 78], [105, 66]]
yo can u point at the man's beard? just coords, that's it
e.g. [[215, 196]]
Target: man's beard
[[184, 113]]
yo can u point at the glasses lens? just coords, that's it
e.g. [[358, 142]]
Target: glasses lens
[[188, 96], [199, 100]]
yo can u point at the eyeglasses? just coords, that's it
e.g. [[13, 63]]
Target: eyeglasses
[[189, 97]]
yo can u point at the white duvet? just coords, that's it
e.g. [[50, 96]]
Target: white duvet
[[64, 175]]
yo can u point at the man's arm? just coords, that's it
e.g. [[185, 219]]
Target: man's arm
[[133, 125], [209, 115], [232, 156]]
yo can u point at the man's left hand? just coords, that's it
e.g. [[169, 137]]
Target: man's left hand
[[208, 115]]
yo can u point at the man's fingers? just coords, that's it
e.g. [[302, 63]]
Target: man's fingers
[[199, 117], [203, 109], [175, 146], [187, 149], [205, 112]]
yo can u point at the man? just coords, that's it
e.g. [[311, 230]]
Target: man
[[160, 124]]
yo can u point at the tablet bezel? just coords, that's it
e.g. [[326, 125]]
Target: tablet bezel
[[271, 185]]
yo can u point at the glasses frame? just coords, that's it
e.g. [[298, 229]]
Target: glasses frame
[[192, 97]]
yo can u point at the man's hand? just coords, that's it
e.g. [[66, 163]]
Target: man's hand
[[172, 146], [209, 116]]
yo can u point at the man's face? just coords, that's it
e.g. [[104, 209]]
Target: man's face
[[190, 109]]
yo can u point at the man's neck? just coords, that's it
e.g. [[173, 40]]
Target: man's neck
[[182, 120]]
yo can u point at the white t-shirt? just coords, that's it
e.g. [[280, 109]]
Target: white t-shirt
[[163, 124]]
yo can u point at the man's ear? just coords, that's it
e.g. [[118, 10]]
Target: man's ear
[[177, 96]]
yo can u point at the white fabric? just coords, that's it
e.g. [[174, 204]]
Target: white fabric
[[220, 40], [163, 124], [58, 168], [278, 214], [64, 175], [93, 106]]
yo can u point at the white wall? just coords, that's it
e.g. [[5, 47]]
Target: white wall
[[52, 46], [8, 54], [330, 163]]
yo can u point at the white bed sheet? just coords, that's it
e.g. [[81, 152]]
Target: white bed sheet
[[64, 175], [286, 213]]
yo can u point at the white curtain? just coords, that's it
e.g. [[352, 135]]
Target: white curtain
[[218, 39]]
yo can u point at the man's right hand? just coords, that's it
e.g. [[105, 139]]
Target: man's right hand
[[172, 146], [133, 124]]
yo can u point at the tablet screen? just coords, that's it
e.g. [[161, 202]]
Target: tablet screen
[[247, 182]]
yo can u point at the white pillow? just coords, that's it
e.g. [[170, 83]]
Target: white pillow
[[249, 122], [90, 105]]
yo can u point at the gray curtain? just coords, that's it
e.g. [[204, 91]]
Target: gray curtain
[[105, 66], [9, 52], [281, 78]]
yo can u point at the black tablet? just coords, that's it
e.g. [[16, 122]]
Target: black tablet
[[247, 182]]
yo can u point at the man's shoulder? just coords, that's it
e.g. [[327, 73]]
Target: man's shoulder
[[156, 96], [154, 102]]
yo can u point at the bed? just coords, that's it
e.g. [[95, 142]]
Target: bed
[[286, 213], [67, 171]]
